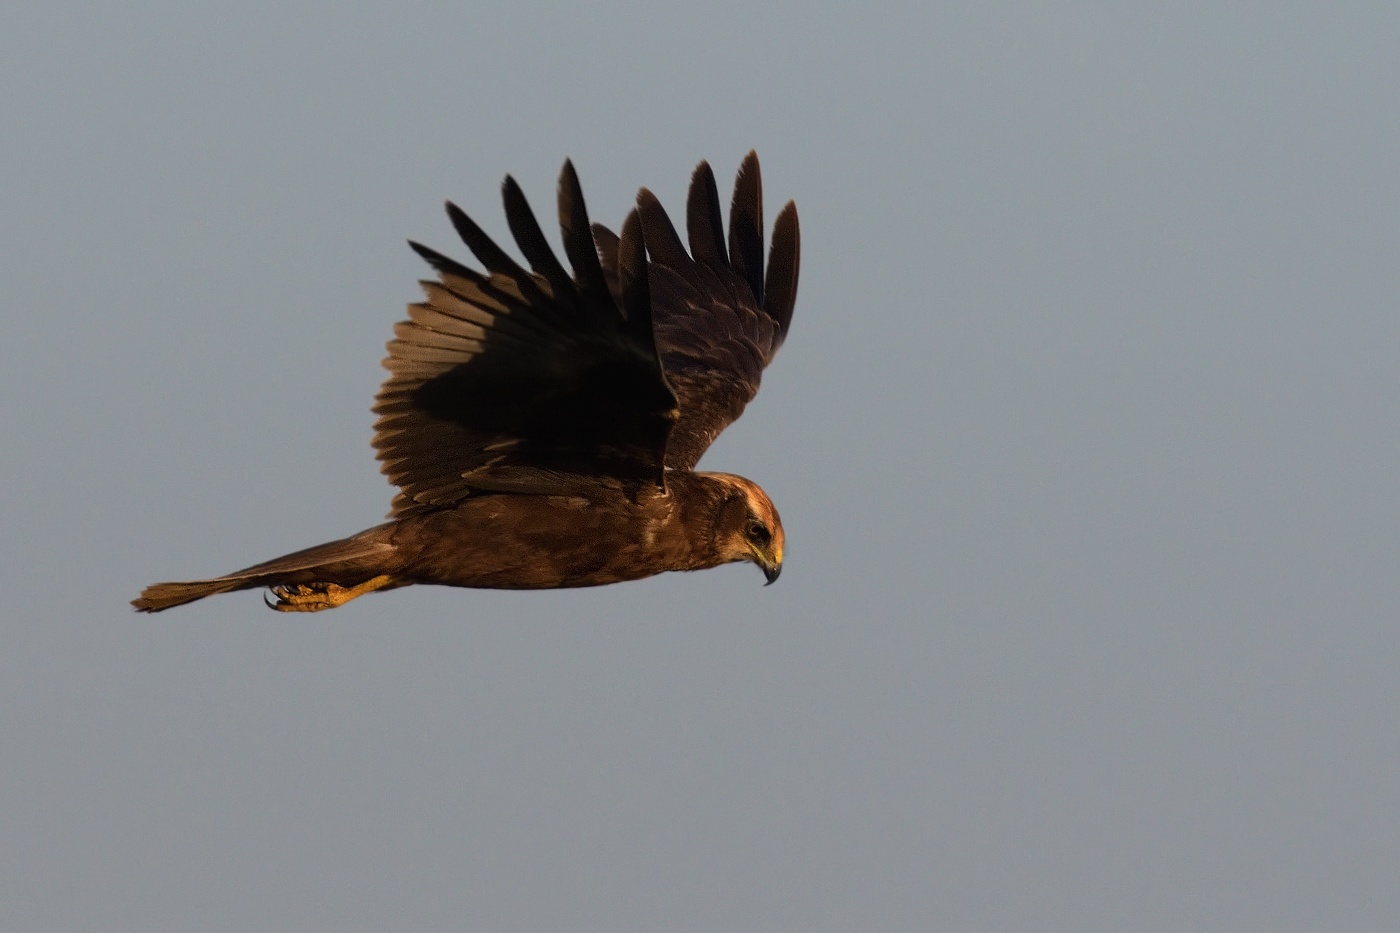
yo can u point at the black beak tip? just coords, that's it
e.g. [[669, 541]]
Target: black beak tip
[[772, 573]]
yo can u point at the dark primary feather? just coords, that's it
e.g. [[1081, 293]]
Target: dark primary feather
[[704, 225], [746, 225], [531, 240], [784, 260], [523, 379], [578, 240], [719, 319]]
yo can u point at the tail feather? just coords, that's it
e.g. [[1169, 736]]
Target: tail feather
[[160, 596], [346, 562]]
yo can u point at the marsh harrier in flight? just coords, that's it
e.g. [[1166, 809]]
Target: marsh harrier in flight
[[542, 426]]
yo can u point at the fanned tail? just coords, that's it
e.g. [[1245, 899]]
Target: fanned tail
[[345, 563]]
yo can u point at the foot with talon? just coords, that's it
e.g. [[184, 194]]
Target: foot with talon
[[313, 597]]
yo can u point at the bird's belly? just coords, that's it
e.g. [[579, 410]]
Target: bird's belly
[[529, 542]]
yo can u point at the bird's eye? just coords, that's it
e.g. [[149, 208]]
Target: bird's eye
[[756, 533]]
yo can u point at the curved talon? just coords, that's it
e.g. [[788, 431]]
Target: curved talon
[[299, 597], [313, 597]]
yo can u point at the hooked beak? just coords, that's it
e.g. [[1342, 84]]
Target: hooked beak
[[771, 570]]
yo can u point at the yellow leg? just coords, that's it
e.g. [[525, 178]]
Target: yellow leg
[[313, 597]]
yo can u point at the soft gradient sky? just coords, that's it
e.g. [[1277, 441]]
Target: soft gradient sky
[[1085, 441]]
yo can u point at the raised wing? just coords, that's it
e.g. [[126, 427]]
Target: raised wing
[[525, 380], [719, 319]]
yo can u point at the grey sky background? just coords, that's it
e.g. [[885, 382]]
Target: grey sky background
[[1085, 441]]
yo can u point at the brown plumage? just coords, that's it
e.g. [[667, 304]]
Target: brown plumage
[[543, 426]]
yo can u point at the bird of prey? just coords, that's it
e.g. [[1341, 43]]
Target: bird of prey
[[542, 425]]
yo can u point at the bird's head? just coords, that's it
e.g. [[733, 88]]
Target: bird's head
[[747, 526]]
